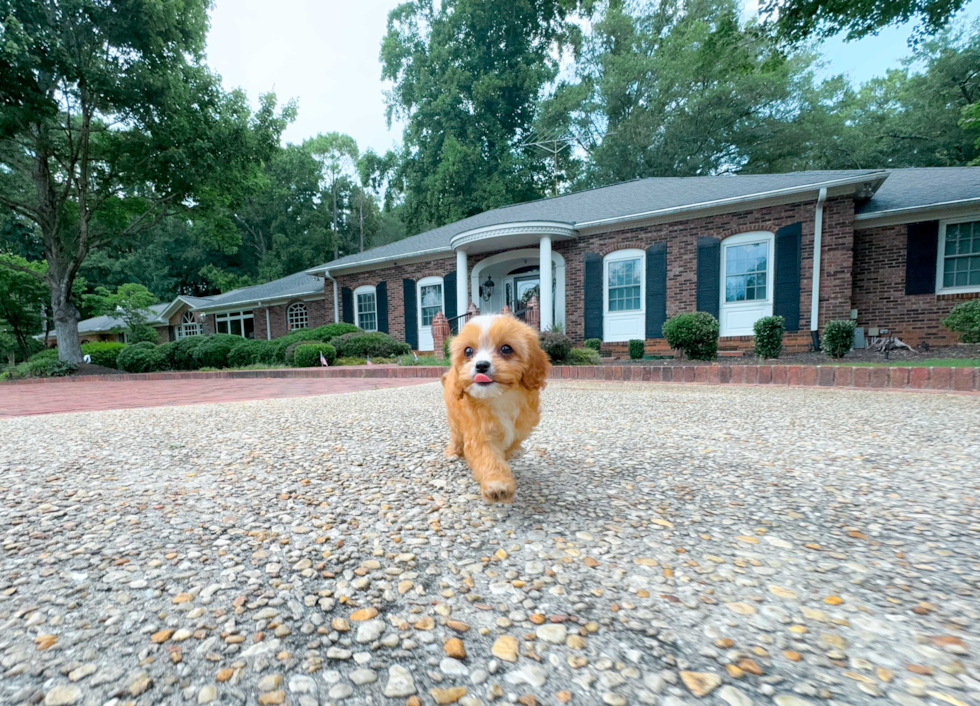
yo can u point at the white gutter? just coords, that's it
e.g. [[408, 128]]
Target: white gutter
[[913, 209], [817, 245], [268, 324], [323, 269], [336, 305]]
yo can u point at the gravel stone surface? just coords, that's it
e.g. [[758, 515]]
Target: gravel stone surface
[[669, 545]]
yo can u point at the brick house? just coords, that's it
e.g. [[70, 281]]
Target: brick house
[[893, 249]]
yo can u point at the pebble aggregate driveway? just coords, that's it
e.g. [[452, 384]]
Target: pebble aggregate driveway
[[669, 546]]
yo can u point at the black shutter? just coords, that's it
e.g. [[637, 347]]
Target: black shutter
[[171, 333], [921, 251], [786, 287], [593, 295], [347, 302], [449, 295], [656, 289], [709, 275], [381, 299], [411, 315]]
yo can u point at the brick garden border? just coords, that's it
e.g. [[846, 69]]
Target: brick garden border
[[840, 376]]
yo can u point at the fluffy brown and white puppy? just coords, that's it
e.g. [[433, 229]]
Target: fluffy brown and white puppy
[[491, 393]]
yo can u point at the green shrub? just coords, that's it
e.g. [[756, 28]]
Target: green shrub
[[769, 336], [350, 361], [46, 354], [143, 333], [964, 319], [320, 334], [446, 347], [252, 352], [636, 349], [103, 353], [584, 356], [308, 354], [424, 360], [837, 338], [143, 358], [556, 345], [693, 334], [213, 350], [374, 344], [594, 343], [41, 368], [182, 353]]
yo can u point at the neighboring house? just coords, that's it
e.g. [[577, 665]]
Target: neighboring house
[[108, 328], [893, 249]]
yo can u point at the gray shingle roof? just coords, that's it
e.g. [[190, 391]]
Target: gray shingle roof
[[295, 285], [902, 187], [927, 186]]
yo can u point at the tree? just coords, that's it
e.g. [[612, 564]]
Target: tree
[[467, 76], [22, 301], [109, 120], [131, 303], [797, 20], [337, 155]]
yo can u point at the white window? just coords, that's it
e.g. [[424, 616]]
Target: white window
[[297, 316], [623, 295], [746, 282], [188, 326], [958, 268], [366, 307], [237, 323], [431, 301]]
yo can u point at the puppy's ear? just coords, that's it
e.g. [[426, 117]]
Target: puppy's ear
[[536, 371], [454, 383]]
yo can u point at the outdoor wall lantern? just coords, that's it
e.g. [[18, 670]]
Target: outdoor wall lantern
[[486, 289]]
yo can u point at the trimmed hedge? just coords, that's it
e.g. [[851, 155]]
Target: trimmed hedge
[[374, 344], [143, 358], [636, 349], [594, 343], [584, 356], [103, 353], [252, 352], [693, 334], [321, 334], [46, 354], [769, 336], [837, 338], [307, 355], [964, 319], [556, 345], [46, 367]]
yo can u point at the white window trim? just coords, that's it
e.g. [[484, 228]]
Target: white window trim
[[233, 316], [427, 282], [292, 306], [188, 326], [756, 236], [366, 289], [616, 256], [941, 258]]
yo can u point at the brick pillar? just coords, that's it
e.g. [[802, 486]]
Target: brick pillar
[[505, 311], [472, 311], [533, 316], [440, 332]]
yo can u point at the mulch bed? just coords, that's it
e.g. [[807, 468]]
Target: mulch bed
[[816, 358], [90, 369]]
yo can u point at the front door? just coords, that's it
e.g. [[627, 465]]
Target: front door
[[431, 302], [746, 282]]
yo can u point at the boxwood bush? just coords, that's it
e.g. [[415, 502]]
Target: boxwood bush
[[252, 352], [693, 334], [103, 353], [374, 344], [769, 336], [584, 356], [321, 334], [143, 358], [837, 338], [594, 343], [182, 353], [45, 367], [556, 345], [636, 349], [964, 319], [46, 354], [307, 355]]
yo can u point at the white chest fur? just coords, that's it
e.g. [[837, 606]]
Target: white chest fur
[[506, 407]]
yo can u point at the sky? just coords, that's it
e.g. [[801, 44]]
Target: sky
[[324, 53]]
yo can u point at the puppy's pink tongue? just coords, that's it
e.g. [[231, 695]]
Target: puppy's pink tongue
[[480, 377]]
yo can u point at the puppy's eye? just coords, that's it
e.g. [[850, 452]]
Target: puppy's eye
[[468, 352], [506, 350]]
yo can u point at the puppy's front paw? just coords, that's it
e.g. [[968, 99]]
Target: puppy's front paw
[[499, 491], [453, 451], [515, 453]]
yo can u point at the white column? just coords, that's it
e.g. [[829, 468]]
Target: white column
[[462, 283], [336, 303], [547, 295]]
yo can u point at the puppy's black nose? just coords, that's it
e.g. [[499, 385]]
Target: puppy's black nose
[[482, 366]]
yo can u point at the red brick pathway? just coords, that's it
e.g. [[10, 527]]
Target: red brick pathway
[[19, 400]]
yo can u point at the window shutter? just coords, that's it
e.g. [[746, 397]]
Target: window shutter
[[381, 299], [411, 315], [593, 295], [449, 295], [786, 287], [347, 301], [921, 251], [171, 333], [709, 275], [656, 302]]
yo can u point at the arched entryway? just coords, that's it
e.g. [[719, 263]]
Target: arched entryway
[[516, 274]]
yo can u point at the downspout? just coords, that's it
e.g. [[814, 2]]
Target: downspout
[[336, 304], [268, 325], [817, 248]]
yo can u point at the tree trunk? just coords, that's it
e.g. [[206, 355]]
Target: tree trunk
[[65, 319]]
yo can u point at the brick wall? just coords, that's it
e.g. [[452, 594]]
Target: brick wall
[[316, 310], [879, 290]]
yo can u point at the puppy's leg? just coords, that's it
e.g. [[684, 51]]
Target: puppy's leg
[[515, 450], [491, 471], [523, 425], [455, 446]]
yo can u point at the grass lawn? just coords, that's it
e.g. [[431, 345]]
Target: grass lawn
[[927, 363]]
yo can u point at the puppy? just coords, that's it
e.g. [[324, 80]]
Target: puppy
[[491, 393]]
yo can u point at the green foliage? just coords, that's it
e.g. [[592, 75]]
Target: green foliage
[[130, 302], [350, 361], [252, 352], [584, 356], [46, 354], [837, 338], [693, 334], [182, 353], [556, 345], [142, 358], [447, 346], [594, 343], [103, 353], [213, 350], [284, 345], [374, 344], [23, 295], [798, 20], [964, 319], [142, 333], [429, 360], [39, 368], [636, 349], [308, 355], [769, 336]]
